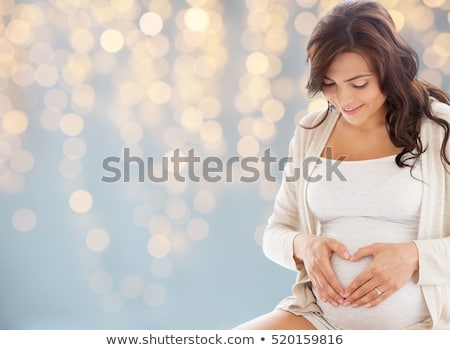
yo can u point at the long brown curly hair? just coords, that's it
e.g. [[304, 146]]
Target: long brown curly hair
[[366, 28]]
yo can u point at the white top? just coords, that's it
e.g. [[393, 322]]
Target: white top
[[376, 201], [291, 217]]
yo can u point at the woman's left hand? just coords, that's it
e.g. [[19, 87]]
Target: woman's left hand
[[392, 266]]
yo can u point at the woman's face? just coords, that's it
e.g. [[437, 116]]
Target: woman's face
[[353, 88]]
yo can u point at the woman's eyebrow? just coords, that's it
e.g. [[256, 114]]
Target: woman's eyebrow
[[354, 78]]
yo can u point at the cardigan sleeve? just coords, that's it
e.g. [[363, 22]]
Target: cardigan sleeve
[[283, 224], [434, 247], [434, 261]]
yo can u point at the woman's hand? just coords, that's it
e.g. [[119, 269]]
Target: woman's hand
[[315, 253], [392, 266]]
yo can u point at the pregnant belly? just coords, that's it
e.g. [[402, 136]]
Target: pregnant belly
[[402, 309]]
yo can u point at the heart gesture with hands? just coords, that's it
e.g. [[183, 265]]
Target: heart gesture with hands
[[392, 266]]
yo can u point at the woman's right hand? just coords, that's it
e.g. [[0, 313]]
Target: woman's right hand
[[315, 253]]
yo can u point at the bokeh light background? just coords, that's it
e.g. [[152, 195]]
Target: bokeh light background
[[81, 80]]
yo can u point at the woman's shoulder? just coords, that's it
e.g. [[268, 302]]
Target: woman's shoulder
[[440, 109]]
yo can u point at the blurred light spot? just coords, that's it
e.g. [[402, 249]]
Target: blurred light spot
[[18, 32], [6, 7], [434, 57], [245, 126], [76, 68], [160, 225], [80, 201], [257, 63], [132, 287], [421, 18], [158, 246], [174, 137], [159, 92], [112, 40], [161, 268], [204, 201], [398, 18], [434, 3], [112, 302], [23, 75], [15, 122], [71, 124], [317, 103], [130, 93], [131, 132], [273, 110], [191, 118], [211, 131], [5, 104], [257, 87], [41, 53], [50, 120], [210, 106], [22, 161], [275, 66], [268, 189], [196, 19], [258, 21], [97, 240], [176, 208], [82, 40], [55, 100], [74, 148], [46, 75], [151, 23], [154, 295], [24, 220], [248, 146], [104, 62], [276, 40], [11, 182], [305, 22], [197, 229], [181, 244], [258, 234], [5, 151], [432, 76], [83, 96], [263, 129], [101, 282], [258, 4], [307, 3], [163, 7], [70, 168], [142, 215]]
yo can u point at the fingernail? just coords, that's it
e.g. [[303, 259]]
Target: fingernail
[[347, 303], [346, 255]]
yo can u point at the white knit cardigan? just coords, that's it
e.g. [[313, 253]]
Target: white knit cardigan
[[291, 216]]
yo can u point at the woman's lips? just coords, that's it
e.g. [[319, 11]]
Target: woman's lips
[[352, 111]]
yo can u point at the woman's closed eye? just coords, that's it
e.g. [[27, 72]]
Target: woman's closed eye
[[360, 86]]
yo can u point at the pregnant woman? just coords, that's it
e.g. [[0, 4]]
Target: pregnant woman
[[370, 241]]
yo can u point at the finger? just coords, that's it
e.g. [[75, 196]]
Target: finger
[[363, 252], [379, 299], [326, 292], [353, 290], [363, 295], [331, 288], [339, 248]]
